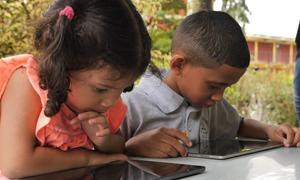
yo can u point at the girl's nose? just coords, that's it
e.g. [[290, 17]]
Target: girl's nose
[[109, 102]]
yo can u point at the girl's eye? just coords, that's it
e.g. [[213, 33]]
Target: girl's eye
[[100, 90], [128, 89]]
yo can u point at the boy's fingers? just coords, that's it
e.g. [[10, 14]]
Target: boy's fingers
[[288, 134], [178, 134], [297, 136], [156, 153], [173, 146]]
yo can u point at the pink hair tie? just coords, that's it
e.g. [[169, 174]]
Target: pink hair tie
[[68, 12]]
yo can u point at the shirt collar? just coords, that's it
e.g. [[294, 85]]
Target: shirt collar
[[160, 93]]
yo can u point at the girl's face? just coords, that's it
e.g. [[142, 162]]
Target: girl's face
[[96, 90]]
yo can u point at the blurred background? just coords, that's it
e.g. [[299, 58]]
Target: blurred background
[[264, 93]]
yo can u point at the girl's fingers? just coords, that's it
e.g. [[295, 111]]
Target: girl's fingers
[[103, 132], [85, 116], [98, 120]]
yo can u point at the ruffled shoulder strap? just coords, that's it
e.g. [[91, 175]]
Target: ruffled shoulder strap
[[8, 65]]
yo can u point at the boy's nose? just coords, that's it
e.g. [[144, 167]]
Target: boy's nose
[[218, 96]]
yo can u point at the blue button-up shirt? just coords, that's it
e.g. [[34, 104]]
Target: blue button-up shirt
[[153, 104]]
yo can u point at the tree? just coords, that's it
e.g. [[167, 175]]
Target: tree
[[17, 21], [161, 18], [196, 5], [238, 9]]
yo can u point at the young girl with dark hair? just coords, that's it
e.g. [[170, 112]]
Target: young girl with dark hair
[[61, 105]]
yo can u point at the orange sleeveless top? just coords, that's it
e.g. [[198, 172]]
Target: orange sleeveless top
[[56, 131]]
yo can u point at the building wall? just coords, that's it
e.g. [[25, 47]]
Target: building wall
[[272, 50], [265, 52], [282, 53], [251, 49]]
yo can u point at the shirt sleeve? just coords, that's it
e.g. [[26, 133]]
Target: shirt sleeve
[[115, 115], [126, 126]]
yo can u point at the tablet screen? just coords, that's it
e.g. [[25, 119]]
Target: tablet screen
[[131, 170], [223, 149]]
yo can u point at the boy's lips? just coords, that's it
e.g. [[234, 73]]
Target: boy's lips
[[208, 105]]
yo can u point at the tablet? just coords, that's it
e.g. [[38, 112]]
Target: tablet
[[225, 148], [130, 170], [164, 171]]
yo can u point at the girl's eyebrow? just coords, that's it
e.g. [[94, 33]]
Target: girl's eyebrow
[[106, 85]]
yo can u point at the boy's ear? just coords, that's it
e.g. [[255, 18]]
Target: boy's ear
[[177, 63]]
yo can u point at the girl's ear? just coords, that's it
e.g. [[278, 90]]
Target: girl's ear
[[178, 62]]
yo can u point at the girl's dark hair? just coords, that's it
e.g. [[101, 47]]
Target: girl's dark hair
[[210, 39], [102, 32]]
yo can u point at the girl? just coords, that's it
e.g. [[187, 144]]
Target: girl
[[68, 96]]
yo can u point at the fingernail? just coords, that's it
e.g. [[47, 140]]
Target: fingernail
[[98, 134], [72, 122], [79, 116]]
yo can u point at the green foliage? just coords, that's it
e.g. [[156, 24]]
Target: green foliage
[[238, 9], [264, 95], [161, 59], [161, 19], [161, 40], [17, 24]]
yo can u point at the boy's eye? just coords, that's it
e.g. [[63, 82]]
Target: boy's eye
[[128, 89], [213, 87]]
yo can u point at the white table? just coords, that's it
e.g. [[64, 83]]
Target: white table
[[280, 163]]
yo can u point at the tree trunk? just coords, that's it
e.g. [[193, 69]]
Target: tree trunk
[[196, 5], [206, 4]]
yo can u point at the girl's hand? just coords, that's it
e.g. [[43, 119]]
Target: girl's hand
[[97, 129], [94, 124]]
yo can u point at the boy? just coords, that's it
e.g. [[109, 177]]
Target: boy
[[209, 53]]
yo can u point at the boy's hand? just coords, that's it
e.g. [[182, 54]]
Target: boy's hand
[[94, 124], [284, 133], [162, 142]]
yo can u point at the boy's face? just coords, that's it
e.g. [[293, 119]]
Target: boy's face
[[96, 90], [203, 87]]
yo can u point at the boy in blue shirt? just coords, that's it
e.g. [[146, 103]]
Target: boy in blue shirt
[[209, 53]]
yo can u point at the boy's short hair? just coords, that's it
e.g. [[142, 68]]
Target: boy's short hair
[[210, 39]]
